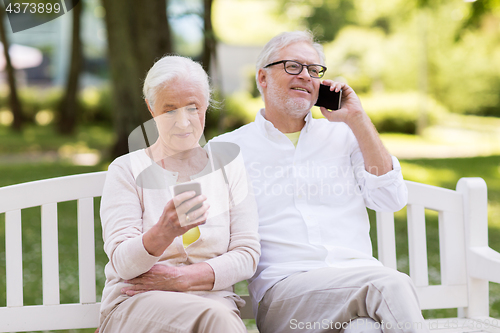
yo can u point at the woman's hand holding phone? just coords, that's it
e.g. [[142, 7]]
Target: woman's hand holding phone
[[186, 210]]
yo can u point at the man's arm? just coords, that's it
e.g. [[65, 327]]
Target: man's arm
[[377, 159]]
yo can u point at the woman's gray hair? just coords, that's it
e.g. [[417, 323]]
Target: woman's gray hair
[[170, 68], [271, 49]]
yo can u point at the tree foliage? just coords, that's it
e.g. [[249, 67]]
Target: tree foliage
[[324, 17], [400, 45]]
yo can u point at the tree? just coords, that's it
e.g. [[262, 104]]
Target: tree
[[326, 18], [15, 104], [69, 104], [209, 43], [138, 34]]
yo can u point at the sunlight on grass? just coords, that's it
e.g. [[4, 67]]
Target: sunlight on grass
[[427, 175], [453, 136], [79, 154]]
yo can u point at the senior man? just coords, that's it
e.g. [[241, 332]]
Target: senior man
[[313, 179]]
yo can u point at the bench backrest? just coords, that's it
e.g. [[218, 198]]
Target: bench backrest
[[46, 194], [455, 209], [462, 219]]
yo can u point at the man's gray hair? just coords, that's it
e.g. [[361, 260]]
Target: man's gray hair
[[271, 49], [170, 68]]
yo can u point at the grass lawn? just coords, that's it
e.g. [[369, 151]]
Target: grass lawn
[[440, 172]]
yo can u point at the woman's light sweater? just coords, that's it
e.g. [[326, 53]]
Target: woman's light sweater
[[135, 193]]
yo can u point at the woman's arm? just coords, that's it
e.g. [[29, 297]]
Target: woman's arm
[[241, 259], [122, 224], [132, 253], [195, 277], [239, 263]]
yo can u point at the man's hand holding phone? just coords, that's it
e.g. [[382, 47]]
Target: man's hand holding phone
[[350, 112], [329, 99]]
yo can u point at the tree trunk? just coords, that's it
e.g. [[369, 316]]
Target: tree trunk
[[15, 104], [138, 34], [209, 57], [69, 105], [209, 43]]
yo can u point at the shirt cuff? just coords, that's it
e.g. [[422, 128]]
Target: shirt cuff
[[373, 181]]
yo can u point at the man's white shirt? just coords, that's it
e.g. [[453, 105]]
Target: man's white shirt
[[312, 198]]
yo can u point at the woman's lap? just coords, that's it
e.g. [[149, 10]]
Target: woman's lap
[[161, 311]]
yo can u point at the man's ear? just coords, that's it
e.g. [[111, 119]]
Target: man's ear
[[262, 78], [149, 108]]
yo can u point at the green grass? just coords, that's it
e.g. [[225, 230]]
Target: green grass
[[439, 172]]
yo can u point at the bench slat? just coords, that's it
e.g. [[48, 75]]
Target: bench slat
[[50, 255], [442, 297], [86, 250], [417, 245], [51, 190], [49, 317], [451, 249], [14, 258], [386, 239], [433, 197]]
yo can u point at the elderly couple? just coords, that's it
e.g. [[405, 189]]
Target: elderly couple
[[287, 185]]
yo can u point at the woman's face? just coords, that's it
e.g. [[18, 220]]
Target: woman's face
[[179, 113]]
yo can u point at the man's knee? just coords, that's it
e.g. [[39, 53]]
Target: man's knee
[[396, 282]]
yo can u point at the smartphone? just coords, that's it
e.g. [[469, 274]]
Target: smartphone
[[328, 99], [191, 186]]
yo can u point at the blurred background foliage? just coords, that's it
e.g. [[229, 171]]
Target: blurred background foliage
[[406, 59], [427, 72]]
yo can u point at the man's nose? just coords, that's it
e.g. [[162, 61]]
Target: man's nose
[[304, 73]]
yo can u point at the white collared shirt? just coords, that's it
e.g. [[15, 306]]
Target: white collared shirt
[[312, 198]]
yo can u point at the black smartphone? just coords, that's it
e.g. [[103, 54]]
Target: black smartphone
[[328, 99]]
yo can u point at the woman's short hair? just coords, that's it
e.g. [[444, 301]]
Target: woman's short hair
[[170, 68], [271, 49]]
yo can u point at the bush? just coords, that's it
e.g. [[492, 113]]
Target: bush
[[94, 103], [399, 112], [389, 112], [237, 109]]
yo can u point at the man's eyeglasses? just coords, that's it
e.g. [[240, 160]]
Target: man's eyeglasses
[[295, 68]]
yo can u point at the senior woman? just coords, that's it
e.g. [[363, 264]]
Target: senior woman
[[171, 269]]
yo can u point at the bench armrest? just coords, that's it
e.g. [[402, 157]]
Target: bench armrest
[[484, 263]]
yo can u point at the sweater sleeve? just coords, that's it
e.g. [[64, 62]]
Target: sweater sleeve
[[240, 262], [121, 218]]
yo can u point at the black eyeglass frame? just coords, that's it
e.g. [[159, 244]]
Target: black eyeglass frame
[[301, 68]]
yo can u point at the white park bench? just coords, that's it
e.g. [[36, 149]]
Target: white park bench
[[467, 263]]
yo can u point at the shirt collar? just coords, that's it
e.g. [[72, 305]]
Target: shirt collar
[[268, 127]]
